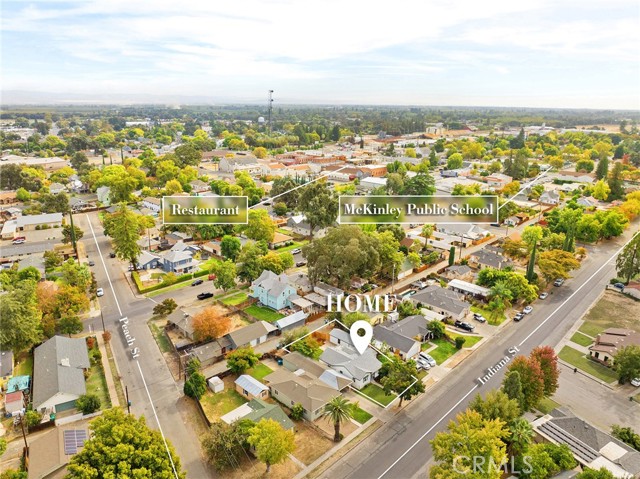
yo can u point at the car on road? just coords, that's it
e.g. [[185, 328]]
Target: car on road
[[301, 263], [518, 317], [635, 382], [419, 284], [527, 309], [197, 282], [92, 263], [19, 240], [428, 358], [130, 267], [99, 292], [543, 296], [202, 296], [465, 326], [296, 251], [478, 317], [558, 282], [112, 255]]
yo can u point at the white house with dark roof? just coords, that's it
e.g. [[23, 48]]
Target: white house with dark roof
[[487, 258], [343, 358], [29, 222]]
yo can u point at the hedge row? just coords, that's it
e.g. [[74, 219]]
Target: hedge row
[[155, 287]]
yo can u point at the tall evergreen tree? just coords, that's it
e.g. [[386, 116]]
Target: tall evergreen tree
[[532, 263], [602, 170]]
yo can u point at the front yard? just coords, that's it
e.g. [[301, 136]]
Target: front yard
[[310, 444], [600, 318], [235, 299], [97, 384], [375, 392], [263, 313], [360, 415], [443, 351], [488, 315], [579, 360]]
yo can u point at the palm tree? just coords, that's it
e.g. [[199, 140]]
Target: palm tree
[[520, 436], [338, 410], [502, 291]]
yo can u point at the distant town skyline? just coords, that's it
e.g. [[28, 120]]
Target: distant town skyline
[[539, 54]]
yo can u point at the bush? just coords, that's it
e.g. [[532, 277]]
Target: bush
[[195, 386], [91, 342], [32, 418], [460, 342], [297, 411], [106, 336], [88, 403]]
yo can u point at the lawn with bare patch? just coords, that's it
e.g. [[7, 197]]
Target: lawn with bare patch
[[310, 444]]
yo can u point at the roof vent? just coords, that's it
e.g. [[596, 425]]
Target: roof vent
[[65, 362]]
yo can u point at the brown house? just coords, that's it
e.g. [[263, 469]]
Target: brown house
[[610, 342]]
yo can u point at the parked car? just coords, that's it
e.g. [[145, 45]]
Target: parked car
[[465, 326], [558, 282], [635, 382], [296, 251], [428, 358], [130, 268], [99, 292], [479, 318], [527, 310], [202, 296], [197, 282], [543, 296], [301, 263], [91, 263], [619, 285], [518, 317], [19, 240], [409, 292], [112, 255], [419, 284], [422, 363]]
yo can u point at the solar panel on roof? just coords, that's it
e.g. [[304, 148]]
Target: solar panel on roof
[[73, 439]]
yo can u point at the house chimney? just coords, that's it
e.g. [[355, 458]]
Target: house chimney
[[65, 362]]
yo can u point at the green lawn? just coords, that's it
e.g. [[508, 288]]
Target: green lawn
[[360, 415], [469, 342], [173, 287], [296, 244], [488, 315], [579, 360], [217, 405], [259, 372], [24, 365], [163, 342], [97, 384], [591, 329], [546, 405], [444, 350], [206, 265], [581, 339], [373, 391], [263, 313], [235, 299]]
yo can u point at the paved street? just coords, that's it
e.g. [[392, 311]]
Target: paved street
[[401, 449], [163, 393]]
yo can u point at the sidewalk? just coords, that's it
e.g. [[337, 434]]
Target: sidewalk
[[111, 387]]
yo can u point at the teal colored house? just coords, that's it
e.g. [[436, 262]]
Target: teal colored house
[[273, 290]]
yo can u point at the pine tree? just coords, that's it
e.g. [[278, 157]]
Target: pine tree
[[532, 263], [603, 169]]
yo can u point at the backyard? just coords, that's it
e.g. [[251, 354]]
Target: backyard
[[24, 365], [263, 313], [579, 360], [260, 371], [375, 392]]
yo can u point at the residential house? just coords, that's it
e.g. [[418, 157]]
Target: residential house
[[47, 220], [199, 186], [6, 366], [590, 446], [279, 240], [299, 225], [211, 352], [588, 202], [179, 262], [182, 322], [575, 177], [498, 180], [177, 236], [608, 343], [153, 204], [462, 272], [14, 403], [301, 282], [414, 327], [292, 321], [250, 335], [469, 289], [371, 183], [273, 290], [250, 388], [50, 453], [78, 204], [182, 246], [386, 339], [550, 197], [343, 358], [35, 260], [8, 197], [58, 376], [485, 258], [248, 164], [256, 410], [467, 230], [148, 260], [325, 289], [104, 195], [9, 229], [443, 301], [57, 188]]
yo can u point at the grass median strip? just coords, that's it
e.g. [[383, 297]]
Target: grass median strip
[[373, 391]]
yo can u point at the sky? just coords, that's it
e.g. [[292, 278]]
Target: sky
[[529, 53]]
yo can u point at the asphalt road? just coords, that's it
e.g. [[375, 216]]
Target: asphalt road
[[152, 390], [401, 449]]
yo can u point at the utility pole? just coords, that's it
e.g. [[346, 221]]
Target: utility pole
[[126, 392], [269, 110], [24, 434]]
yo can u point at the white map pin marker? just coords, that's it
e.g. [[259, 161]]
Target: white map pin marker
[[361, 342]]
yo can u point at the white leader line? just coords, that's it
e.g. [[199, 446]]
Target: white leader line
[[524, 187]]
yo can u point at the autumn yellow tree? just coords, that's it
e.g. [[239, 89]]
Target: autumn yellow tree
[[210, 324]]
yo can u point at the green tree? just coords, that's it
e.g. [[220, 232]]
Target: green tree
[[532, 235], [350, 318], [21, 318], [421, 184], [602, 473], [283, 186], [3, 445], [225, 274], [297, 412], [628, 261], [601, 190], [319, 205], [627, 363], [70, 324], [32, 418], [250, 261], [260, 226], [465, 443], [114, 450], [166, 307], [602, 170], [338, 410], [22, 194], [88, 403], [496, 405], [512, 387], [436, 329], [271, 441], [195, 386], [401, 380], [123, 227], [241, 359], [280, 208], [454, 161], [585, 166], [30, 272], [66, 233], [626, 435], [187, 154], [520, 436], [223, 444], [556, 264], [616, 184]]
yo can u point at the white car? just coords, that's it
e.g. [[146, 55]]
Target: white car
[[543, 296], [99, 292], [635, 382], [527, 310], [428, 359]]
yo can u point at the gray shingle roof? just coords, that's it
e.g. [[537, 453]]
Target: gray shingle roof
[[274, 284], [58, 368], [357, 365], [244, 336], [441, 298], [393, 339], [411, 326]]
